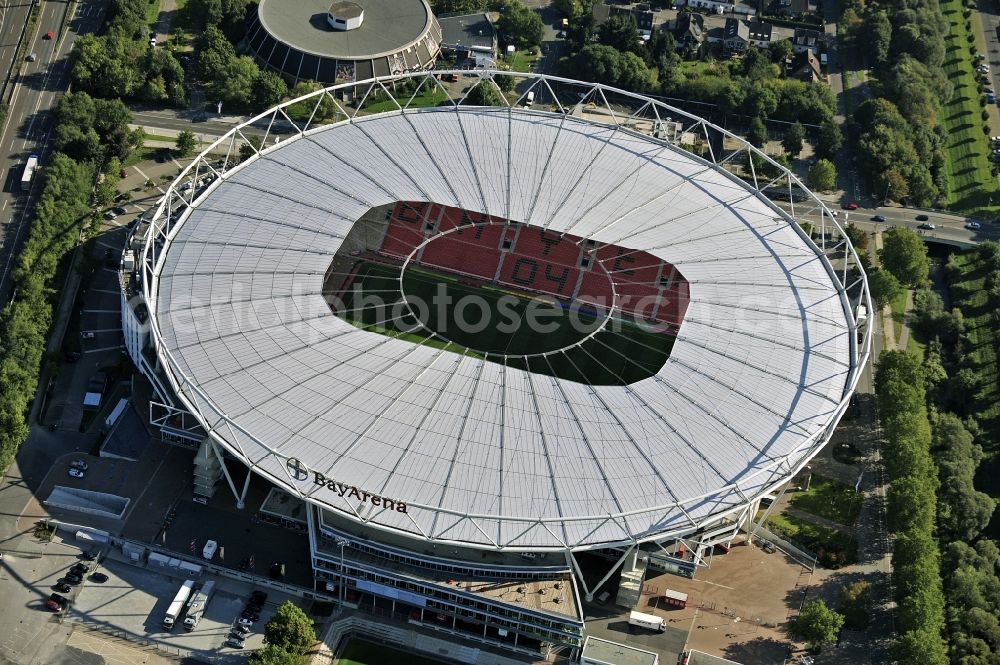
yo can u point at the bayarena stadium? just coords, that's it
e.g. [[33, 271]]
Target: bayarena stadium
[[507, 357]]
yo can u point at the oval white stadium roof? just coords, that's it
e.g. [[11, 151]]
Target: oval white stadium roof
[[477, 452]]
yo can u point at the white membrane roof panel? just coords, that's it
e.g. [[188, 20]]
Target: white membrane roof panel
[[481, 452]]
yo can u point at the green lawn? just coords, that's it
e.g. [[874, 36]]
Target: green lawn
[[152, 13], [898, 306], [830, 499], [618, 354], [522, 61], [361, 652], [428, 96], [972, 183], [834, 549]]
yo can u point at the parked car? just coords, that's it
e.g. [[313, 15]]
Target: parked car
[[56, 603], [49, 34], [878, 218], [119, 211], [86, 334], [974, 226], [100, 578], [62, 587], [75, 473], [849, 206], [258, 597], [88, 556], [32, 57], [922, 218], [79, 568], [926, 227], [241, 630], [245, 622], [72, 578], [768, 547], [79, 464], [110, 214], [250, 614], [234, 643]]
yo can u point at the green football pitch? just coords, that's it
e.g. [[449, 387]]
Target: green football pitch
[[538, 334], [362, 652]]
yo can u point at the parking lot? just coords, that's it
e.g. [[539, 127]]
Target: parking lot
[[133, 601]]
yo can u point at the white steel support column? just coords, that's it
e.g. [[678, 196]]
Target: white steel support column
[[241, 502], [225, 472], [590, 594]]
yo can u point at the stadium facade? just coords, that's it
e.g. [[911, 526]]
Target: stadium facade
[[313, 40], [464, 475]]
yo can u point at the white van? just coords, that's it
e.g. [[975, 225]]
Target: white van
[[210, 548], [529, 99]]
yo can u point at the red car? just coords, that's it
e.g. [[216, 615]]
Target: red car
[[49, 34], [850, 206]]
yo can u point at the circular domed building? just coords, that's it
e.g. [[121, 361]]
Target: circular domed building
[[343, 42]]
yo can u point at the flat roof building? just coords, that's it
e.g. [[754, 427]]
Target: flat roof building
[[344, 42]]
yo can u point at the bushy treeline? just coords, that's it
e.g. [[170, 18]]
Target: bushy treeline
[[63, 208], [900, 145], [121, 63], [912, 505]]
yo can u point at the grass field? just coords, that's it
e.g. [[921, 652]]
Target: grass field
[[969, 293], [428, 96], [972, 183], [616, 355], [152, 13], [829, 499], [362, 652]]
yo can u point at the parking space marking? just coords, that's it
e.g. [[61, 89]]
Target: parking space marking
[[103, 349]]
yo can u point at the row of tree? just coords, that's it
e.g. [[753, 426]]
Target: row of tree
[[900, 144], [89, 135], [122, 64], [912, 504]]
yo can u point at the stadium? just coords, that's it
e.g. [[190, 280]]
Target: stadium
[[488, 347]]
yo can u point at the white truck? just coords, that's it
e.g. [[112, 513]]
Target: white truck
[[29, 173], [647, 621], [177, 605], [196, 606]]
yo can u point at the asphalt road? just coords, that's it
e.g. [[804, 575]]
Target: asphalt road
[[29, 121], [13, 17]]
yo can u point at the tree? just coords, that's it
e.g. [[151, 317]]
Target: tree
[[290, 629], [757, 133], [792, 143], [273, 655], [853, 604], [905, 256], [269, 90], [186, 143], [879, 35], [520, 26], [303, 110], [817, 625], [857, 236], [484, 94], [458, 6], [884, 287], [780, 50], [621, 33], [822, 176], [829, 140]]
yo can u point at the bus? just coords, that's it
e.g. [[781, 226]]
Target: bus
[[29, 173]]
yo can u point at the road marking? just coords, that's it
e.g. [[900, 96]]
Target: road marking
[[104, 349]]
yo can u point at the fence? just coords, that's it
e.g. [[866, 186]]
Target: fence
[[799, 554]]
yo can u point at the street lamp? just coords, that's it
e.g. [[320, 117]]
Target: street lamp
[[342, 543]]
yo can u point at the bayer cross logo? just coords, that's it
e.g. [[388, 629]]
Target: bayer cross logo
[[298, 470]]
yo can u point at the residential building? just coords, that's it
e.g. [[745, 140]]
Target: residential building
[[760, 33], [689, 31], [807, 40], [790, 8]]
